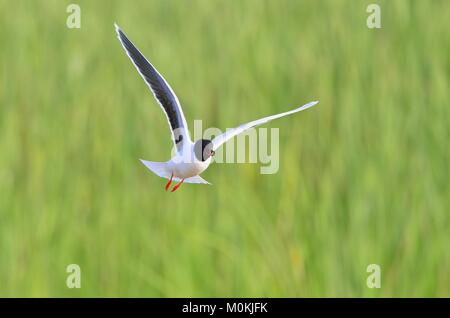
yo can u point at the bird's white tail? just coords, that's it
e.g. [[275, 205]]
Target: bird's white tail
[[158, 168], [196, 179]]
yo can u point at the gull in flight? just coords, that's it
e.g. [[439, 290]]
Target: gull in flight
[[191, 158]]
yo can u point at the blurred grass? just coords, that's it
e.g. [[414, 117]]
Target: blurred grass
[[363, 177]]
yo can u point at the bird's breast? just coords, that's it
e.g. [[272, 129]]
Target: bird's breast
[[187, 169]]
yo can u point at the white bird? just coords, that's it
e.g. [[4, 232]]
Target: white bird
[[190, 159]]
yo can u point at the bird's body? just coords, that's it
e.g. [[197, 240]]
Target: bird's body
[[185, 169], [190, 159], [186, 165]]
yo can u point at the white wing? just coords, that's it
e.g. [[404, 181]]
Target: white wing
[[223, 138], [160, 89]]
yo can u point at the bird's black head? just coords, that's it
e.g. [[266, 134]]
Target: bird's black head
[[203, 149]]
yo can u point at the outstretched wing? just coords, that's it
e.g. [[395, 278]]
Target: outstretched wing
[[161, 90], [223, 138]]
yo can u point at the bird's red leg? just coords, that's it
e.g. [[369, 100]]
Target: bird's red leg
[[170, 181], [177, 186]]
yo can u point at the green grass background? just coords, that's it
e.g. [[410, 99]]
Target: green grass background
[[363, 176]]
